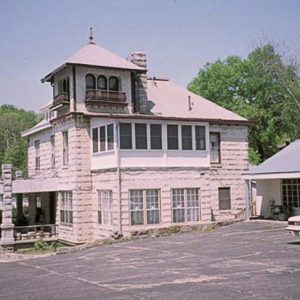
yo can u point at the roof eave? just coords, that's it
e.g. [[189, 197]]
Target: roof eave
[[156, 117], [49, 77]]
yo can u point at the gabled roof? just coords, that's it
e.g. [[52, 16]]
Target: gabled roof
[[94, 55], [42, 125], [285, 161], [171, 100]]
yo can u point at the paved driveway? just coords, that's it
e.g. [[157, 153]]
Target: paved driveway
[[249, 260]]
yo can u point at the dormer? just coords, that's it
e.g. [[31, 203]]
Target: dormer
[[96, 80]]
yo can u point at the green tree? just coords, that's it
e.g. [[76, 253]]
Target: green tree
[[13, 148], [261, 88]]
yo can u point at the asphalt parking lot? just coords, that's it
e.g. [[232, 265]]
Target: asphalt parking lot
[[248, 260]]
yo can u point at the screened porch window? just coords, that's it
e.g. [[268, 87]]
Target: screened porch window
[[172, 131], [140, 136], [186, 136], [155, 136], [125, 136]]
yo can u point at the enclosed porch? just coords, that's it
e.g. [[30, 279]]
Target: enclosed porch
[[277, 184], [28, 210]]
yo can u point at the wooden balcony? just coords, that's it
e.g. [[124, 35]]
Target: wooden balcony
[[105, 98], [62, 98]]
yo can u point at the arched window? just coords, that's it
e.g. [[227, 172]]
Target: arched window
[[113, 83], [102, 83], [90, 82], [66, 86]]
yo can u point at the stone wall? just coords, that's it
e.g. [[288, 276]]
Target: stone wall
[[78, 178], [234, 161]]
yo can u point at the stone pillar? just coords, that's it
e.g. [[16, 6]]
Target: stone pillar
[[141, 97], [7, 227]]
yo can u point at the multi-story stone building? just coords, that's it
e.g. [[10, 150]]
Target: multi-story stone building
[[120, 152]]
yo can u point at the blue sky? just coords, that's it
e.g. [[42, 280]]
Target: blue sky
[[179, 36]]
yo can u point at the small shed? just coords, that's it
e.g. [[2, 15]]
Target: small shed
[[277, 184]]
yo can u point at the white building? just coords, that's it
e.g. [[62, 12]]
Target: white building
[[278, 184], [120, 152]]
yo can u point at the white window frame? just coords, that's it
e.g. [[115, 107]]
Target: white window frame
[[164, 136], [65, 138], [187, 210], [66, 208], [37, 148], [106, 142], [52, 143], [290, 190], [219, 160], [145, 210], [105, 207], [224, 199]]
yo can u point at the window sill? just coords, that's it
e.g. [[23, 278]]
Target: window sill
[[66, 226], [102, 153], [216, 165]]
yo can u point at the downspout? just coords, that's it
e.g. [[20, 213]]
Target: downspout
[[119, 179], [248, 187]]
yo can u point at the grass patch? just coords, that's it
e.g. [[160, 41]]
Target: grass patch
[[41, 247]]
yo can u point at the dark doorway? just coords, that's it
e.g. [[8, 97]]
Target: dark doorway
[[52, 207]]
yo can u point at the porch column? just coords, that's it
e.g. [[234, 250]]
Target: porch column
[[7, 227]]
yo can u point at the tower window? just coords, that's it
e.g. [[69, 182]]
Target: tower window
[[113, 83], [101, 83], [90, 82]]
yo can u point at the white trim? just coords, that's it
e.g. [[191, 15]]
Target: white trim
[[272, 176]]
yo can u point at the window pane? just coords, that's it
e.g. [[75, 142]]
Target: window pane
[[153, 217], [186, 134], [193, 204], [155, 132], [90, 82], [95, 140], [52, 151], [140, 136], [224, 198], [65, 148], [125, 136], [178, 205], [113, 83], [200, 137], [137, 218], [214, 147], [152, 199], [136, 199], [152, 202], [102, 138], [172, 137], [110, 137], [178, 215], [136, 207], [102, 83]]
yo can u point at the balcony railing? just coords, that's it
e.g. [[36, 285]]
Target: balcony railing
[[109, 97], [62, 98]]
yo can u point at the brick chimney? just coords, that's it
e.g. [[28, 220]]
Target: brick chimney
[[139, 82]]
